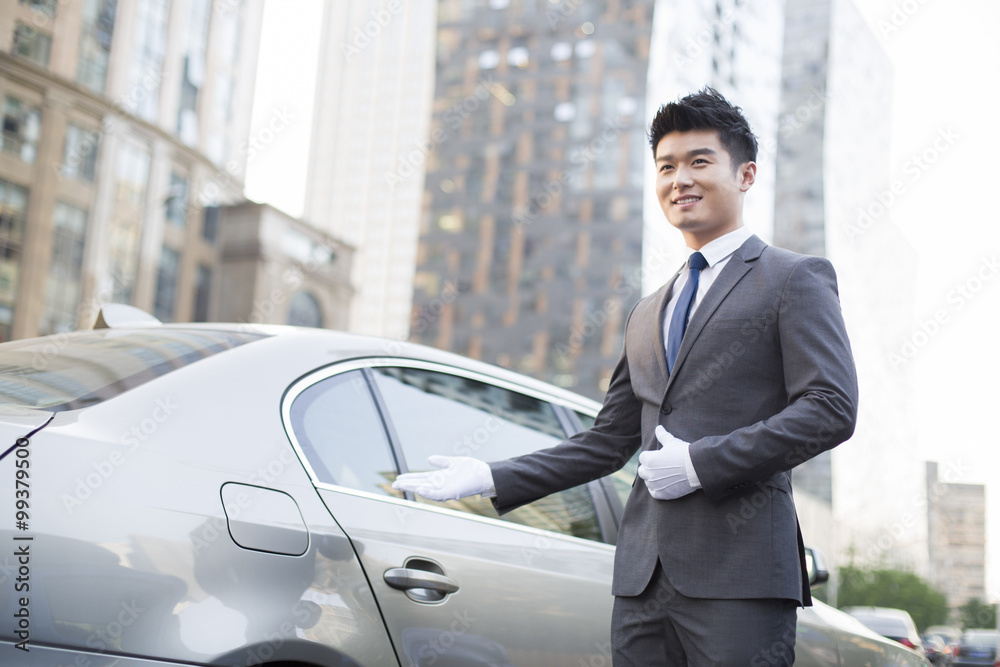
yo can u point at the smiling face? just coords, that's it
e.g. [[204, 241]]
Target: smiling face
[[698, 190]]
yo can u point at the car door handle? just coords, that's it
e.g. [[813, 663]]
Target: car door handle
[[405, 578]]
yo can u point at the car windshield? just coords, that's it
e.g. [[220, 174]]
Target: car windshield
[[983, 638], [75, 370]]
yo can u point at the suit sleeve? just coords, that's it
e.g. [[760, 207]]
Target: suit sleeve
[[583, 457], [820, 382]]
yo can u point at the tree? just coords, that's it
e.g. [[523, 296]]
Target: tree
[[893, 588], [977, 614]]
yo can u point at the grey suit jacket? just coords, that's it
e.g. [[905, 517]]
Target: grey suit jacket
[[763, 381]]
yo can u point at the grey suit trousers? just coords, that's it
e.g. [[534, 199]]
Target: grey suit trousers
[[661, 627]]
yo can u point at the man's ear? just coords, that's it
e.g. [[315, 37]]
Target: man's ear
[[747, 175]]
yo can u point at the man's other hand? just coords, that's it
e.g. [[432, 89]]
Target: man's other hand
[[458, 477], [668, 471]]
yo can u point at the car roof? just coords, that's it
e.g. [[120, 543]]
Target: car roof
[[301, 350], [342, 345]]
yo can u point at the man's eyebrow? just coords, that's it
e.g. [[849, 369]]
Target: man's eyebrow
[[690, 154]]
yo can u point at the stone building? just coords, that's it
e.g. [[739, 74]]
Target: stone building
[[126, 125], [956, 536]]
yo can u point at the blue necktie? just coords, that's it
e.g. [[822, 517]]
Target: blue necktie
[[678, 321]]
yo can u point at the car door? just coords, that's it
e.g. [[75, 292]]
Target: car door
[[456, 584]]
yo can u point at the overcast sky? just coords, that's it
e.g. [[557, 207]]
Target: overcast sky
[[947, 77], [946, 58]]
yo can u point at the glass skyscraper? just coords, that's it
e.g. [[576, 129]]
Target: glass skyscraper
[[532, 225]]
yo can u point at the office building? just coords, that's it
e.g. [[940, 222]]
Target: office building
[[122, 121], [275, 269], [531, 231], [374, 88], [956, 535]]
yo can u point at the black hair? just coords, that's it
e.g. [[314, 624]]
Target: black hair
[[707, 110]]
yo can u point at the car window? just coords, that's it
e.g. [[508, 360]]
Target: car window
[[586, 420], [979, 638], [75, 370], [885, 626], [440, 413], [621, 480], [340, 432]]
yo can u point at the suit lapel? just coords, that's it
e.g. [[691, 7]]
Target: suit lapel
[[737, 267]]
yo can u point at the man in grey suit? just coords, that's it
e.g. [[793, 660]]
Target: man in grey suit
[[734, 372]]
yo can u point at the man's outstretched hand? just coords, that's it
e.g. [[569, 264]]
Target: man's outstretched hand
[[458, 477], [668, 471]]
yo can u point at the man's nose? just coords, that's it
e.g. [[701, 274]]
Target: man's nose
[[682, 178]]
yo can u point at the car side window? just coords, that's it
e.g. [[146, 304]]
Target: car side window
[[439, 413], [623, 479], [586, 420], [342, 436]]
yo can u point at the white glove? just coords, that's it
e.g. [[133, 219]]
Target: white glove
[[668, 471], [460, 476]]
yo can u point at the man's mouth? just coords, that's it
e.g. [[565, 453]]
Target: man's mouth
[[686, 200]]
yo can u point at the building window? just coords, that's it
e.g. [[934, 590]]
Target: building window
[[228, 34], [96, 29], [47, 7], [79, 154], [304, 311], [561, 51], [13, 213], [518, 57], [489, 59], [222, 109], [32, 44], [22, 126], [564, 112], [202, 293], [146, 64], [62, 292], [193, 77], [177, 199], [210, 223], [125, 226], [166, 285]]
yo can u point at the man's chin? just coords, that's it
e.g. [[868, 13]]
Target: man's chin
[[685, 223]]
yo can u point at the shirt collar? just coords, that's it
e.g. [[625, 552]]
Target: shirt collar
[[718, 249]]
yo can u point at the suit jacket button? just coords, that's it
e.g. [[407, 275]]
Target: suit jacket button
[[665, 408]]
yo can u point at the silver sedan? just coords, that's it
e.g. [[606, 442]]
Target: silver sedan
[[221, 495]]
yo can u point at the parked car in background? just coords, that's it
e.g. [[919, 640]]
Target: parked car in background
[[976, 647], [949, 633], [896, 624], [937, 649], [221, 495]]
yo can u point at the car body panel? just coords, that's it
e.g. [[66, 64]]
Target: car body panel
[[498, 567], [51, 656], [859, 643], [128, 514], [816, 640]]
